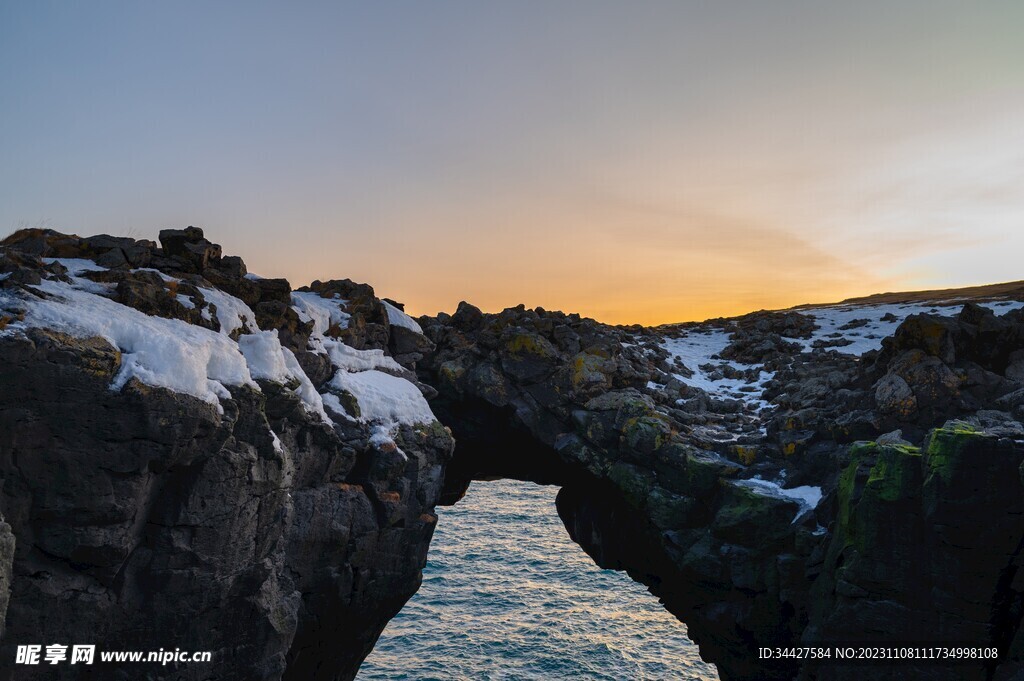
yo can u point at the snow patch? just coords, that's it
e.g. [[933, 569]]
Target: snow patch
[[269, 360], [869, 336], [323, 312], [75, 266], [232, 313], [699, 347], [384, 399], [278, 447], [806, 496], [349, 359], [168, 353], [193, 360], [398, 318]]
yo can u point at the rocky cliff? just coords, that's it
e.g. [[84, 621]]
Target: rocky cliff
[[193, 456], [173, 479], [758, 479]]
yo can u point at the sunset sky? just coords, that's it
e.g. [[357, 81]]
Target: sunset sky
[[633, 161]]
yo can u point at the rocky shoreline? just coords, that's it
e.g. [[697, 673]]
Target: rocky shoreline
[[833, 474]]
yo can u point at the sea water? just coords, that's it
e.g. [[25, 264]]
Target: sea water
[[507, 595]]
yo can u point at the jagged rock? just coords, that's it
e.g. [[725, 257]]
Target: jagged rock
[[957, 501], [284, 543], [189, 248], [788, 324], [936, 336], [754, 348], [6, 569], [1015, 366], [147, 292], [704, 536], [249, 527], [893, 394], [368, 326], [467, 317]]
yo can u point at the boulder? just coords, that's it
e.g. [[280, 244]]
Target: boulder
[[190, 248]]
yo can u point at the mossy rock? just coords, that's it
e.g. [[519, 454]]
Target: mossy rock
[[351, 404], [945, 447], [879, 498], [896, 474], [704, 470], [753, 519], [596, 427], [528, 357], [530, 344], [634, 482], [628, 401], [587, 373], [572, 449], [450, 373], [668, 510], [487, 381], [746, 454], [968, 471], [646, 434], [434, 430]]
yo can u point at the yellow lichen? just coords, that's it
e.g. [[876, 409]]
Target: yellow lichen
[[746, 454], [525, 343]]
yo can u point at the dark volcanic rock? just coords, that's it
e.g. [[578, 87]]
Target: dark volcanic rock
[[636, 493], [760, 337], [745, 566], [141, 518], [283, 541], [925, 547], [190, 249], [182, 527], [6, 570]]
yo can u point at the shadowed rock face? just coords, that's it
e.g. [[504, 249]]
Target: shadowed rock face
[[148, 519], [283, 540], [554, 398]]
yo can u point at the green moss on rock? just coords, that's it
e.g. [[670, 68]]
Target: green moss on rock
[[945, 446]]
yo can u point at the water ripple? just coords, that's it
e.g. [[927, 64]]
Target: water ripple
[[507, 595]]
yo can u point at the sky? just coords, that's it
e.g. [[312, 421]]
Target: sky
[[637, 162]]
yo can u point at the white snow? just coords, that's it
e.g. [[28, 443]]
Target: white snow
[[162, 352], [698, 347], [269, 360], [398, 318], [349, 359], [232, 313], [332, 402], [75, 266], [380, 437], [323, 312], [169, 353], [185, 301], [192, 360], [4, 275], [384, 399], [165, 277], [79, 266], [806, 496], [869, 337]]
